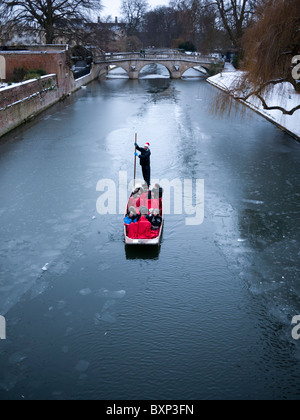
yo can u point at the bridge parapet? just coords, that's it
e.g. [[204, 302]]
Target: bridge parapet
[[177, 63], [197, 58]]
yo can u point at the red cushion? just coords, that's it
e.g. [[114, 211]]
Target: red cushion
[[154, 233], [144, 228], [132, 231]]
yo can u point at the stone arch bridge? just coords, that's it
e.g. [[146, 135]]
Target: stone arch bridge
[[176, 63]]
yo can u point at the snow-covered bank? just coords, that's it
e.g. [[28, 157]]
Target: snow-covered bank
[[283, 95]]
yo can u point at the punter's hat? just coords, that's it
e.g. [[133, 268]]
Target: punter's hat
[[147, 145]]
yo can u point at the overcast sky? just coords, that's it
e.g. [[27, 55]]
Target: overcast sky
[[112, 7]]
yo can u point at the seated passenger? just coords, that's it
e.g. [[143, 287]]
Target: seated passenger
[[158, 190], [153, 203], [155, 220], [131, 217], [144, 226], [143, 201], [134, 200]]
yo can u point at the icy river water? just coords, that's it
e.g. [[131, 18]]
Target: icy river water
[[207, 315]]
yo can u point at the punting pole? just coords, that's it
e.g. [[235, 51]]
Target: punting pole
[[135, 160]]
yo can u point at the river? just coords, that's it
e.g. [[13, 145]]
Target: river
[[205, 316]]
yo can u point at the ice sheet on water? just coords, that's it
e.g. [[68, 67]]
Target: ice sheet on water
[[107, 313], [255, 202], [85, 292], [104, 317], [45, 268], [61, 305], [69, 331], [108, 305], [39, 289], [119, 294], [154, 76], [8, 382], [82, 366], [18, 357], [223, 210], [104, 267]]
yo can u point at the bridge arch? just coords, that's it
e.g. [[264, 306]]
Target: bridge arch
[[188, 66], [118, 66], [155, 63], [201, 71]]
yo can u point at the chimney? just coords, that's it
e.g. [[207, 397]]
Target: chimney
[[116, 20], [99, 19]]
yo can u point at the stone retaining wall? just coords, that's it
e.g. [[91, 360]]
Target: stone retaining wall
[[24, 101], [20, 103]]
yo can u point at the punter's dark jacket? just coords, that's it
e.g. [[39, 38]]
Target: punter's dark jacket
[[145, 156]]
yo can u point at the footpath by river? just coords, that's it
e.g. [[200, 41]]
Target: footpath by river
[[208, 314]]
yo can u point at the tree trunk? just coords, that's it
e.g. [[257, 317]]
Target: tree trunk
[[49, 32]]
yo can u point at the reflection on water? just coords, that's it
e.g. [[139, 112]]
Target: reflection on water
[[159, 89], [142, 252], [156, 86]]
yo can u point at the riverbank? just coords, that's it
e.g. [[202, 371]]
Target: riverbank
[[283, 95]]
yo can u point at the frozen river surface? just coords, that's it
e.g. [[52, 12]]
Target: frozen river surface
[[206, 316]]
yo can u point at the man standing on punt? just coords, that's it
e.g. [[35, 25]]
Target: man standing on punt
[[145, 161]]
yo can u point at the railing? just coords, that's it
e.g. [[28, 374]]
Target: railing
[[194, 58]]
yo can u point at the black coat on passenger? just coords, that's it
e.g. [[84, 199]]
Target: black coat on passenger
[[155, 221]]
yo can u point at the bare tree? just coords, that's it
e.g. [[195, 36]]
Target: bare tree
[[53, 17], [234, 16], [134, 12], [202, 23], [161, 26], [270, 44]]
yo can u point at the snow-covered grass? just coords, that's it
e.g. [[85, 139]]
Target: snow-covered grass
[[283, 95]]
